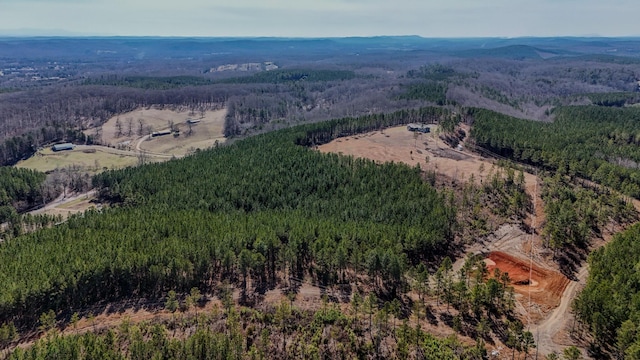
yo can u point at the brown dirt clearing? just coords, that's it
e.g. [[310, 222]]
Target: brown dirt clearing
[[397, 144], [545, 286]]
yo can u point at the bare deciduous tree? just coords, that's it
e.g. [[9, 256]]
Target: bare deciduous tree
[[118, 127], [140, 126], [190, 125], [129, 126]]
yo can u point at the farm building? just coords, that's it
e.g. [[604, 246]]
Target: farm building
[[62, 147], [418, 128], [193, 121], [161, 133]]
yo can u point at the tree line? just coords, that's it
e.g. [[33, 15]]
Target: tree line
[[614, 99], [262, 77], [609, 304], [595, 143], [20, 189]]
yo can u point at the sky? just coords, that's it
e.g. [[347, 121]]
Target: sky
[[321, 18]]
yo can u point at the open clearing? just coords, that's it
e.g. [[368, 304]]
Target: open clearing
[[397, 144], [205, 132], [123, 151], [82, 157], [545, 286], [66, 206]]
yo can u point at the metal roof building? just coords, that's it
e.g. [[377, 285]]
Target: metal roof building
[[62, 147]]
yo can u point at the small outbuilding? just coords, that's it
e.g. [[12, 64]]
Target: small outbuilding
[[418, 128], [161, 133], [62, 147]]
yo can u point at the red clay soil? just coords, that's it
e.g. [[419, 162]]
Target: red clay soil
[[546, 286]]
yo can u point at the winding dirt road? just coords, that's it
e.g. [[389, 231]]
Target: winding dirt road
[[546, 331], [61, 200]]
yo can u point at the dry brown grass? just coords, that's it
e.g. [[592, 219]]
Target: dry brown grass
[[205, 133], [399, 145]]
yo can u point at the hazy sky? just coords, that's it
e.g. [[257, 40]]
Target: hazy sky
[[308, 18]]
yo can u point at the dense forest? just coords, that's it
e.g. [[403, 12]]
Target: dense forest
[[596, 143], [254, 209], [20, 189], [609, 304]]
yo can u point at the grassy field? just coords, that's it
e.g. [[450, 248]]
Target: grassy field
[[203, 135], [94, 159], [92, 162]]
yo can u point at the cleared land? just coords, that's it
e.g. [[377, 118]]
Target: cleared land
[[399, 145], [76, 203], [90, 159], [207, 129], [124, 150], [545, 286]]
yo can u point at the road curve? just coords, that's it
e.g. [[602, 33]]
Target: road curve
[[546, 331]]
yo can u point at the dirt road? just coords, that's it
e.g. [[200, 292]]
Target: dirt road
[[139, 150], [111, 150], [61, 200], [546, 331]]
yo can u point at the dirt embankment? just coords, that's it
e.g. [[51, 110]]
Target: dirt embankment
[[543, 287]]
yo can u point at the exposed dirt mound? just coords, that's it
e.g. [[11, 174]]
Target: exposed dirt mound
[[545, 286]]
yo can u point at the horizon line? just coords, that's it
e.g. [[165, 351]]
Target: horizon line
[[501, 37]]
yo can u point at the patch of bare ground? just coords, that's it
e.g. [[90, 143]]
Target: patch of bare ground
[[69, 205], [536, 286], [397, 144]]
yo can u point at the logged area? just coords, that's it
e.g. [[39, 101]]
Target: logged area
[[397, 144]]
